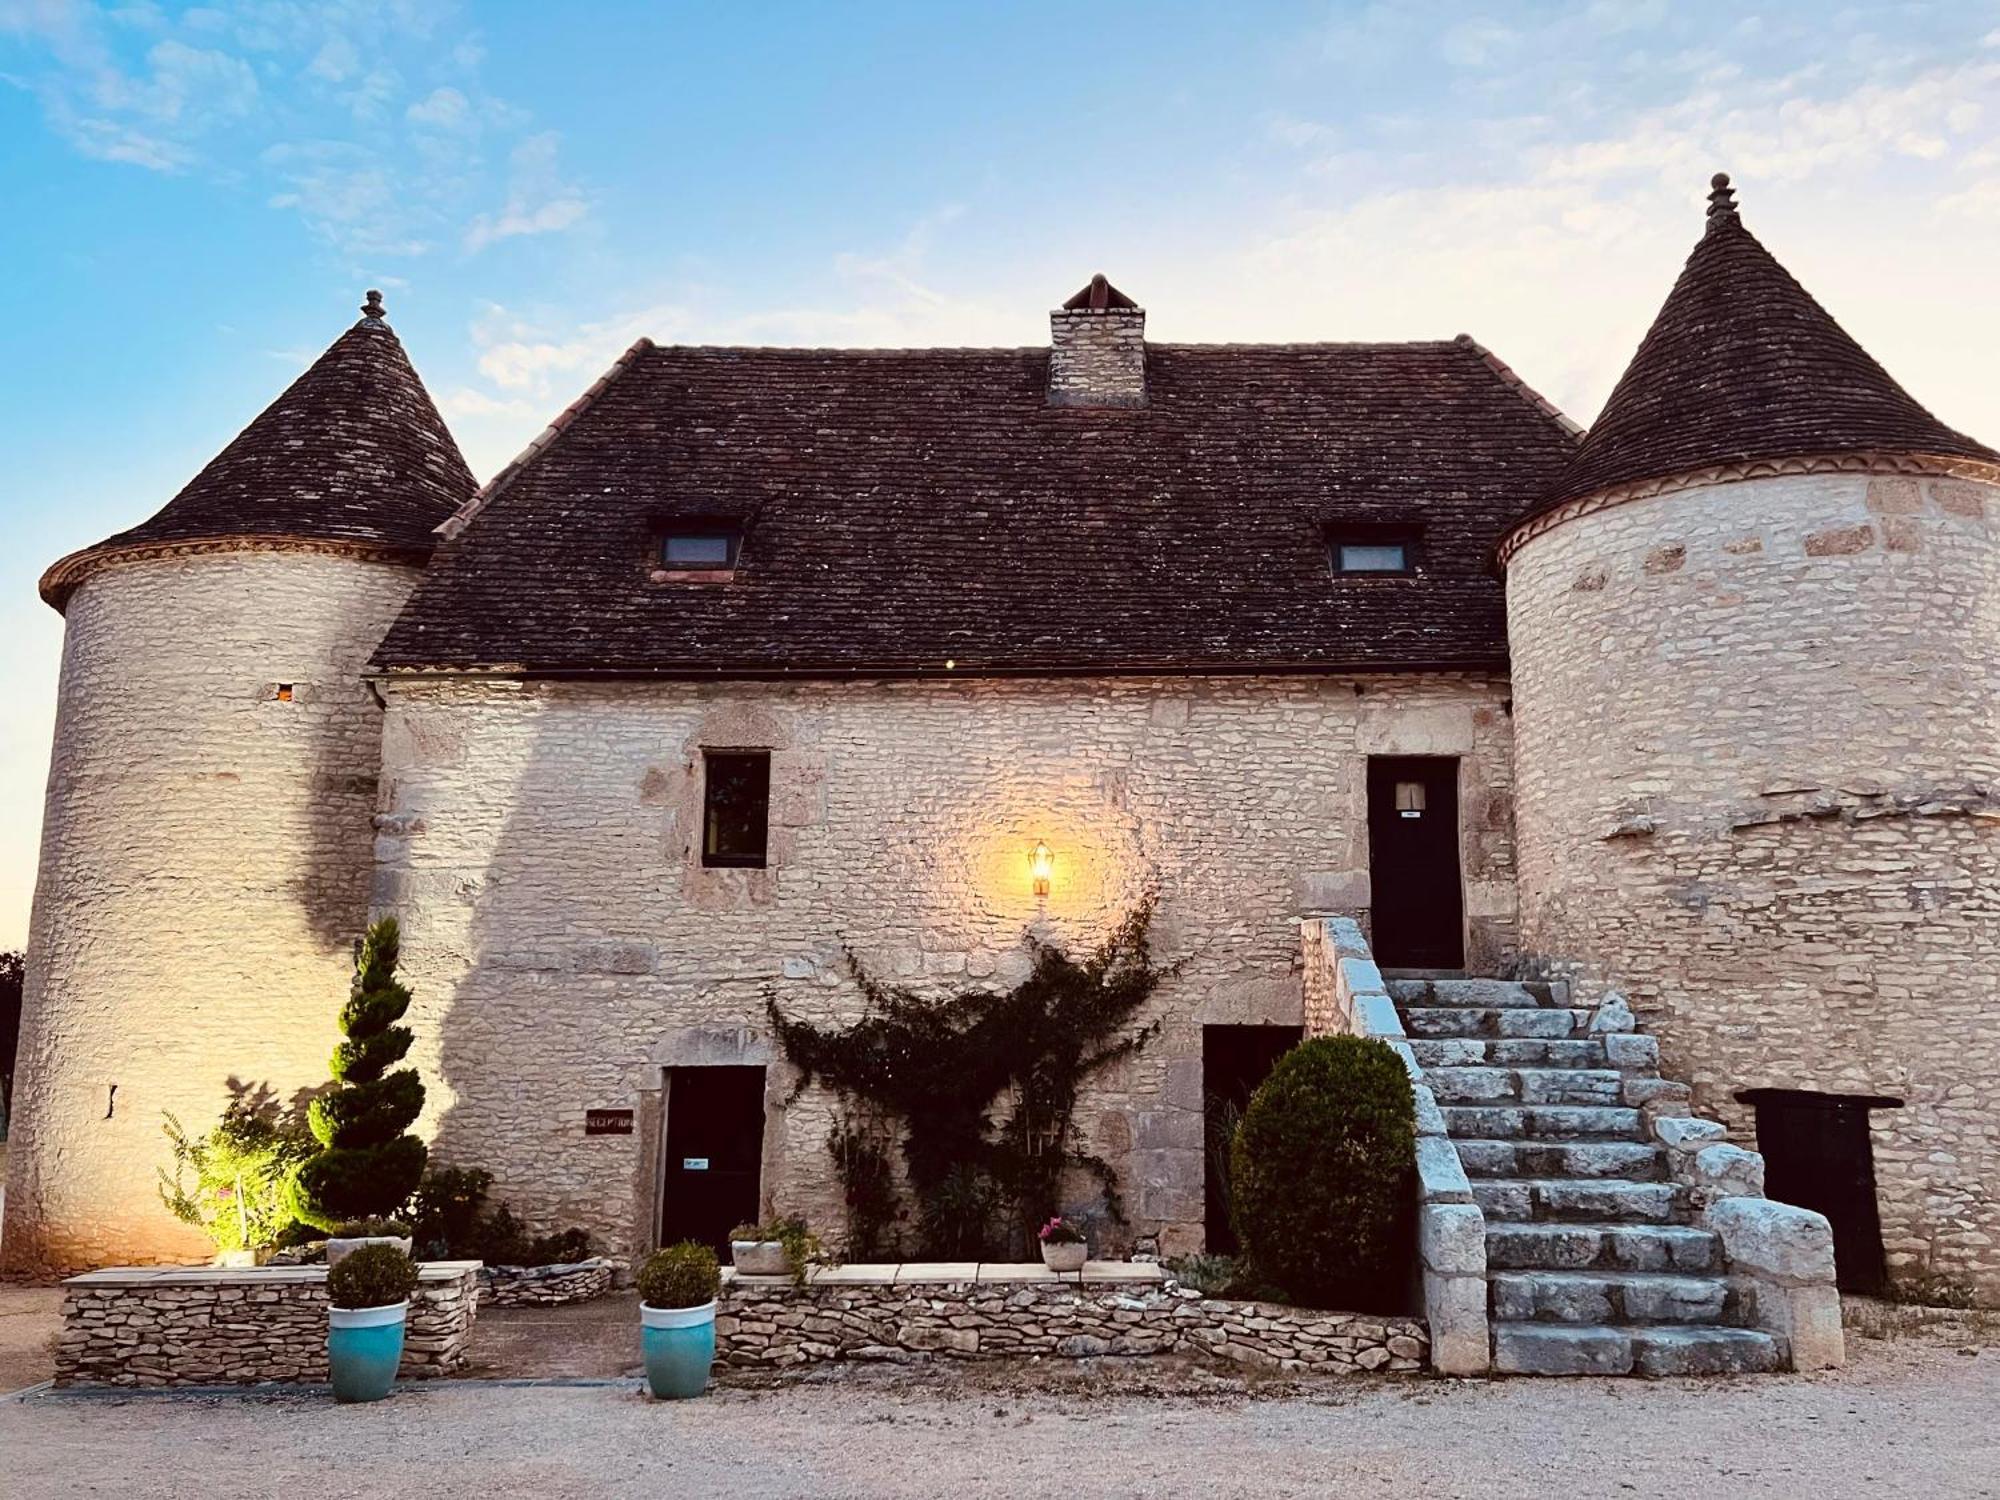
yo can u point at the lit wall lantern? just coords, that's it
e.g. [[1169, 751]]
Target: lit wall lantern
[[1041, 864], [1409, 799]]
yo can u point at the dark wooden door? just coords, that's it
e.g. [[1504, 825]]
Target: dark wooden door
[[1418, 908], [1818, 1155], [1234, 1060], [715, 1154]]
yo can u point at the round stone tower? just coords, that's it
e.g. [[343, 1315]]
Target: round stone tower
[[1755, 632], [207, 842]]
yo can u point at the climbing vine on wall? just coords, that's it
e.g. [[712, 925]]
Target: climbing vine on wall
[[982, 1086]]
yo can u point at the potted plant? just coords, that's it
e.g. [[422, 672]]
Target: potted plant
[[369, 1292], [1063, 1245], [354, 1234], [677, 1291], [781, 1247]]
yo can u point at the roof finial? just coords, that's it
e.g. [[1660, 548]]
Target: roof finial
[[1721, 197], [373, 308]]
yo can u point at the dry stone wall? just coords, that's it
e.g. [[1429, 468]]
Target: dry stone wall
[[546, 1286], [565, 942], [1011, 1312], [204, 870], [192, 1325], [1758, 729]]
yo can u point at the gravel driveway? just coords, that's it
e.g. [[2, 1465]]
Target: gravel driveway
[[1912, 1416]]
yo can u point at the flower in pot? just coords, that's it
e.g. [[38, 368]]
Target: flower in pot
[[677, 1292], [352, 1235], [781, 1247], [370, 1295], [1063, 1245]]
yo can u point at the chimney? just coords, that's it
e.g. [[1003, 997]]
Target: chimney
[[1097, 349]]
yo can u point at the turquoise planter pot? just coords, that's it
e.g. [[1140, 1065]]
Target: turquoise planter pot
[[364, 1345], [679, 1344]]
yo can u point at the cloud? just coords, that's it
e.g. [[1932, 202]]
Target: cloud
[[538, 200], [442, 109]]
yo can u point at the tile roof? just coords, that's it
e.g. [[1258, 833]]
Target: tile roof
[[1742, 364], [353, 452], [905, 509]]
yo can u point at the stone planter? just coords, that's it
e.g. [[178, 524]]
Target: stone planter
[[679, 1345], [338, 1250], [1068, 1256], [759, 1258], [364, 1345]]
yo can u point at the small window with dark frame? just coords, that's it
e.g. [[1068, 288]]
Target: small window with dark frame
[[736, 807], [700, 549], [1376, 550]]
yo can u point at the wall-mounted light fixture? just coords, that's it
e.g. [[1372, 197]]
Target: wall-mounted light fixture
[[1041, 864]]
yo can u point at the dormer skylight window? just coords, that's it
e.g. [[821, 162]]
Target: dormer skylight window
[[704, 550], [1383, 551]]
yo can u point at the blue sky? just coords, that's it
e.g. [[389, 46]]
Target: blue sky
[[197, 196]]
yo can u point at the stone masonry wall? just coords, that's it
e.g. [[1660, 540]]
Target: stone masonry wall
[[1097, 358], [766, 1322], [565, 943], [193, 1325], [204, 870], [1759, 746]]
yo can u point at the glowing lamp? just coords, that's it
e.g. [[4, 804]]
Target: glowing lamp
[[1041, 864]]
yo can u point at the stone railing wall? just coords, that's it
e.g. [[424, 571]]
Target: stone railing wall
[[194, 1325], [900, 1313], [547, 1286], [1345, 994]]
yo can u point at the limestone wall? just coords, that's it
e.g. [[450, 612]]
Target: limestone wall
[[204, 869], [565, 943], [1758, 732], [193, 1325]]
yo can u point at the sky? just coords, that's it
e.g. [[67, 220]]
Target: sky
[[195, 198]]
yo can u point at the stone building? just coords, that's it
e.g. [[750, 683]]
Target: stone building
[[760, 657]]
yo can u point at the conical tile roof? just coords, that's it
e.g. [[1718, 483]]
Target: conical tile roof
[[354, 452], [1740, 365]]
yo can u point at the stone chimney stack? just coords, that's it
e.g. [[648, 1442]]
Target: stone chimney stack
[[1097, 349]]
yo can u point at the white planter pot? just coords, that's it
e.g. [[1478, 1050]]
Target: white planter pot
[[338, 1250], [1068, 1257], [759, 1258], [367, 1317]]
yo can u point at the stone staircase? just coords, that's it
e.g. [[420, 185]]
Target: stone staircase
[[1594, 1263]]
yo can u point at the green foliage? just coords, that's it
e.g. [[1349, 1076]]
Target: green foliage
[[1323, 1175], [683, 1275], [938, 1068], [373, 1276], [868, 1187], [801, 1245], [230, 1183], [369, 1166], [451, 1222], [361, 1229]]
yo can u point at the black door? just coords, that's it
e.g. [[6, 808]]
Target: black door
[[715, 1149], [1234, 1060], [1817, 1155], [1413, 862]]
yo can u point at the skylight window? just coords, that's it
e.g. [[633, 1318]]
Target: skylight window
[[705, 550], [1373, 557], [1381, 550]]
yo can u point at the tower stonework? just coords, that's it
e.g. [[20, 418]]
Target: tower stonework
[[207, 837], [1755, 638]]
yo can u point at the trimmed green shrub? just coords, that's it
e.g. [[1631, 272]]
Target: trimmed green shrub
[[239, 1169], [683, 1275], [1323, 1175], [369, 1166], [373, 1276]]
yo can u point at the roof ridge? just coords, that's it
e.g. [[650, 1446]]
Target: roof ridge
[[1508, 377], [463, 517]]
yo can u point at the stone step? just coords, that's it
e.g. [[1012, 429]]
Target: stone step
[[1505, 993], [1635, 1160], [1494, 1021], [1518, 1245], [1613, 1199], [1501, 1052], [1541, 1122], [1525, 1085], [1612, 1349], [1610, 1297]]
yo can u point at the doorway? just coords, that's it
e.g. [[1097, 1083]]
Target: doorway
[[1234, 1060], [1818, 1155], [1418, 906], [715, 1154]]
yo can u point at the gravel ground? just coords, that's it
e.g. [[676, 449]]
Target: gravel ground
[[30, 1319], [1912, 1416]]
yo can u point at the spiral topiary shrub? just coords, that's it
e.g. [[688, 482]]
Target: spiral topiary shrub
[[370, 1166], [1323, 1175], [683, 1275], [373, 1276]]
